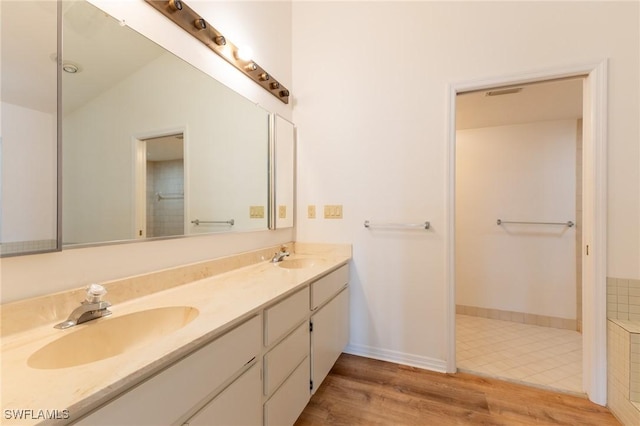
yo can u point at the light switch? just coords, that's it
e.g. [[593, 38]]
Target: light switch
[[311, 211], [256, 212], [333, 211], [282, 212]]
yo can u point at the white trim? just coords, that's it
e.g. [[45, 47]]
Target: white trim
[[594, 222], [595, 265], [397, 357]]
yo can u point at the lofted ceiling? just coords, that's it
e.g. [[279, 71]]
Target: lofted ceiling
[[104, 53], [28, 55]]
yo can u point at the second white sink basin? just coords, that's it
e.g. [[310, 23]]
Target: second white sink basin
[[104, 338], [299, 263]]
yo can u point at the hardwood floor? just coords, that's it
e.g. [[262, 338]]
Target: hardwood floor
[[363, 391]]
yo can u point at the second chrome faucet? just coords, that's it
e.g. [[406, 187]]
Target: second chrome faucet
[[91, 308], [279, 256]]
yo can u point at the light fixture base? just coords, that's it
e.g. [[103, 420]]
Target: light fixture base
[[185, 17]]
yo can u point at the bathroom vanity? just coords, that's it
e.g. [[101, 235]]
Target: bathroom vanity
[[247, 346]]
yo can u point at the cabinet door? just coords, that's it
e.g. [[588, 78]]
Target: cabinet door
[[286, 404], [237, 405], [329, 336]]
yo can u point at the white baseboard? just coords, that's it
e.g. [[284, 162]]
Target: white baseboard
[[418, 361]]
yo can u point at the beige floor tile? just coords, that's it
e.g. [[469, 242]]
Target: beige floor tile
[[528, 353]]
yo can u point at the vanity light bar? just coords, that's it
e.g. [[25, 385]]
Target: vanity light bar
[[191, 22]]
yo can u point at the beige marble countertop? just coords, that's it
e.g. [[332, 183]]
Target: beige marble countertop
[[222, 300]]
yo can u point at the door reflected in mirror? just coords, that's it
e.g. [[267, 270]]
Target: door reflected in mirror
[[162, 186], [128, 91]]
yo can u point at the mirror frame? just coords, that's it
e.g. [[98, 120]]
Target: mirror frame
[[273, 165]]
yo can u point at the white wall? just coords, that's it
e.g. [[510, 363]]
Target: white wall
[[371, 87], [523, 172], [29, 166], [264, 25]]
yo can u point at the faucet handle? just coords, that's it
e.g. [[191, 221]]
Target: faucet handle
[[95, 293]]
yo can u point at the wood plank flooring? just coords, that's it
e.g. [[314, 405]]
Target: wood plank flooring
[[363, 391]]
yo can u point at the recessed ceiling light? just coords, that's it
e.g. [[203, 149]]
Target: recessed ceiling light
[[70, 68]]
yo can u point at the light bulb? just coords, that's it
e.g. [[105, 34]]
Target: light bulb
[[245, 53]]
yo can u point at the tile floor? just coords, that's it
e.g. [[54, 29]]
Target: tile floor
[[541, 356]]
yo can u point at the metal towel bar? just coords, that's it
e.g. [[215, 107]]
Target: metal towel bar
[[169, 196], [568, 223], [423, 225], [217, 222]]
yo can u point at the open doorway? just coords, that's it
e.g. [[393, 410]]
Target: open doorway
[[594, 211], [160, 187], [518, 229]]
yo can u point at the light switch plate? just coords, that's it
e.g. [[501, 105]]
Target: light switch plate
[[333, 211], [256, 212], [311, 211], [282, 212]]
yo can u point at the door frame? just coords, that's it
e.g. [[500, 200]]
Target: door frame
[[594, 204], [139, 153]]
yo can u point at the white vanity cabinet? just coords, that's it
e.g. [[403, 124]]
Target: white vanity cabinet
[[237, 405], [179, 390], [261, 372], [286, 361], [329, 323]]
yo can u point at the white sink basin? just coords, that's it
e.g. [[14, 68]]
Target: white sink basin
[[104, 338], [299, 263]]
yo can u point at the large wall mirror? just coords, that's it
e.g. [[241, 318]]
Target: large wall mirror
[[152, 147], [28, 130]]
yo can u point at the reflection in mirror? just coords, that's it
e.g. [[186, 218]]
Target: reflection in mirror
[[284, 172], [163, 183], [28, 130], [129, 93]]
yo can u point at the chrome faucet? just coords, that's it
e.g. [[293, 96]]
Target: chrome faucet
[[279, 257], [91, 308]]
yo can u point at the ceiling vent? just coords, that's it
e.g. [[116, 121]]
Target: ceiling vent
[[501, 92]]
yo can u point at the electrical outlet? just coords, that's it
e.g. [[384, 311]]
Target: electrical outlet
[[333, 211], [311, 211], [282, 212], [256, 212]]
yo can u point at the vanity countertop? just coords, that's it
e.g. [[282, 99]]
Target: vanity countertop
[[222, 300]]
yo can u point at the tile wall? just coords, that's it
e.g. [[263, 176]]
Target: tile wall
[[620, 378], [165, 214], [520, 317], [27, 246], [623, 299], [623, 349]]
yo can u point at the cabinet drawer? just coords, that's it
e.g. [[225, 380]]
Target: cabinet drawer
[[287, 403], [285, 315], [284, 358], [237, 405], [168, 395], [323, 289]]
